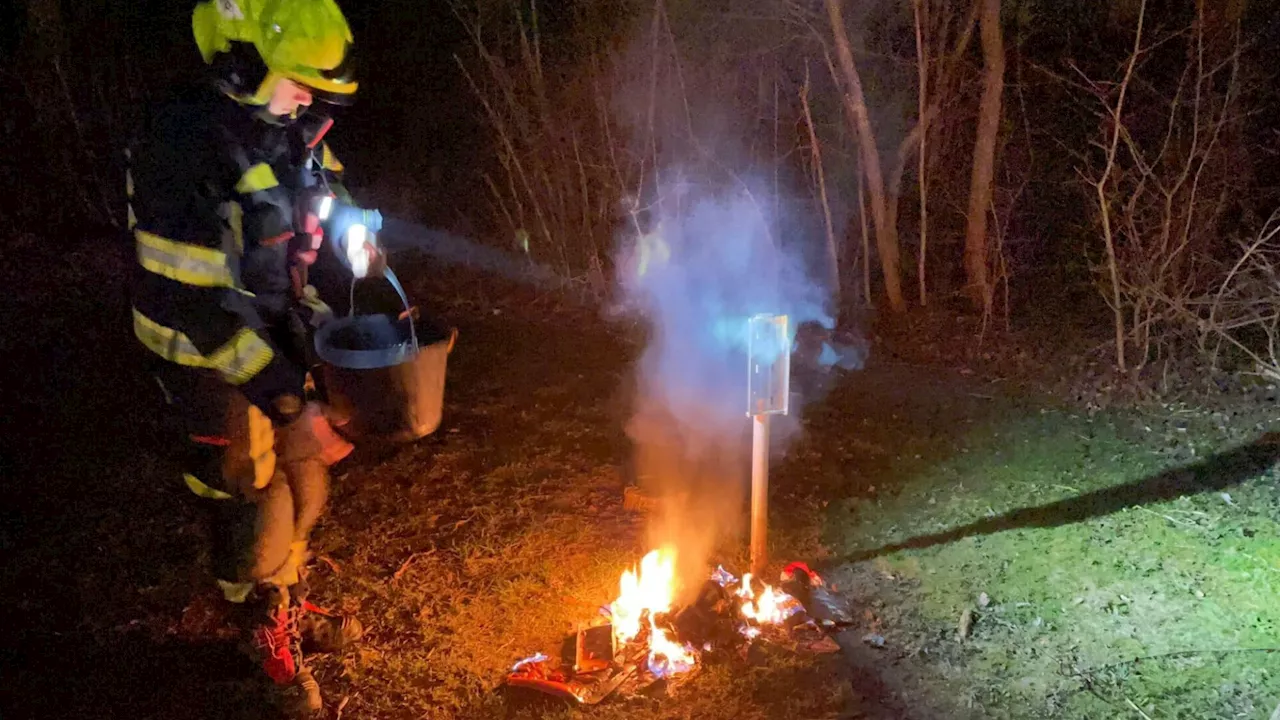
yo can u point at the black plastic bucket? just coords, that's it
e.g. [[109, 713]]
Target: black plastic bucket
[[386, 373]]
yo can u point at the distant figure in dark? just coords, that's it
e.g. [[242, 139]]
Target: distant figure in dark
[[231, 191]]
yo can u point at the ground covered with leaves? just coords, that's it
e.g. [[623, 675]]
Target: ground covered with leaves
[[1009, 552]]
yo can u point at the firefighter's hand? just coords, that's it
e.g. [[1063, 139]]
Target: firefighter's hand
[[310, 436], [377, 261], [365, 258], [318, 311], [306, 244]]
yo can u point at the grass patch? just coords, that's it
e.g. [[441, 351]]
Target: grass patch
[[1072, 599]]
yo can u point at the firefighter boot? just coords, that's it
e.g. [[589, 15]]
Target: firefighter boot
[[302, 697], [275, 641], [323, 631]]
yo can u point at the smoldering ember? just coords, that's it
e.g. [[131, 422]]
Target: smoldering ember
[[626, 359]]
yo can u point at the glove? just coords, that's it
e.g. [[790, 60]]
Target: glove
[[310, 436], [318, 312], [355, 230], [362, 253], [377, 261], [343, 216], [306, 244]]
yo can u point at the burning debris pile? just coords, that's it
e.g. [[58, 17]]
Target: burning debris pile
[[641, 639]]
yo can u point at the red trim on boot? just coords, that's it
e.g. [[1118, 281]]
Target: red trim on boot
[[273, 641], [311, 607]]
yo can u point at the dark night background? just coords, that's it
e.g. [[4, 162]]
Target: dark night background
[[417, 144]]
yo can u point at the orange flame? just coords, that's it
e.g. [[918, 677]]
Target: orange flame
[[769, 607], [644, 594], [648, 591]]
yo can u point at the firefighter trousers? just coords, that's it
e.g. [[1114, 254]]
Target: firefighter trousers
[[262, 487]]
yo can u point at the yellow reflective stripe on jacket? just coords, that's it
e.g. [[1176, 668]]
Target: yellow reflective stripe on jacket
[[238, 360], [235, 218], [257, 178], [241, 357], [250, 457], [262, 447], [203, 490], [330, 161], [165, 342], [183, 262], [128, 192]]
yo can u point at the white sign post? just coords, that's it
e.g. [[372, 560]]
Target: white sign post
[[768, 392]]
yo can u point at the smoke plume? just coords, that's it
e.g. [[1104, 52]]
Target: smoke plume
[[697, 262], [723, 224]]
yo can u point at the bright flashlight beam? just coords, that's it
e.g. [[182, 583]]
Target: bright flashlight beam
[[400, 236], [326, 207]]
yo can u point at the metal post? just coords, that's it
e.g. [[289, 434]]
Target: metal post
[[759, 493]]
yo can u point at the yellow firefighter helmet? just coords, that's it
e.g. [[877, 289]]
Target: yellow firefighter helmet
[[258, 42]]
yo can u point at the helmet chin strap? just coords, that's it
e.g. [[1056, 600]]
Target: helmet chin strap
[[259, 98], [266, 89], [259, 102], [266, 116]]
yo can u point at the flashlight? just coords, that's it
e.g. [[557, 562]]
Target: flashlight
[[359, 242], [326, 208], [354, 227]]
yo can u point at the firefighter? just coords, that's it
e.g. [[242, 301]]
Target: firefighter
[[222, 184]]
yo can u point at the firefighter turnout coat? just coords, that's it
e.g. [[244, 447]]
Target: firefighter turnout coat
[[215, 192]]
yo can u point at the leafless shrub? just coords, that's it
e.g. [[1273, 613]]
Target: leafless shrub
[[563, 168], [1243, 313], [1162, 180]]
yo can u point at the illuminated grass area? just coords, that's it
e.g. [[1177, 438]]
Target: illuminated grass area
[[1089, 554]]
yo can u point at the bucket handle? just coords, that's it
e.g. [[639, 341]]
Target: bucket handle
[[408, 310]]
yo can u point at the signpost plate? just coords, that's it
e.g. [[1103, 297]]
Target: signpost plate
[[768, 365]]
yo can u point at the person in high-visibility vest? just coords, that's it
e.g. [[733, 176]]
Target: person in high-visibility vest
[[223, 205]]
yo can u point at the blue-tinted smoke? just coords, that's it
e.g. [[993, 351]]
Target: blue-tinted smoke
[[698, 264]]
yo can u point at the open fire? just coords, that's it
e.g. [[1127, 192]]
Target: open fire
[[646, 595], [643, 637]]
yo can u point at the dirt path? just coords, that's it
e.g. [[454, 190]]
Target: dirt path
[[486, 542]]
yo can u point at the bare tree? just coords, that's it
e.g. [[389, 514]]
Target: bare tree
[[984, 150], [919, 10], [560, 177], [856, 102], [815, 146], [1104, 205], [1246, 302], [882, 195]]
